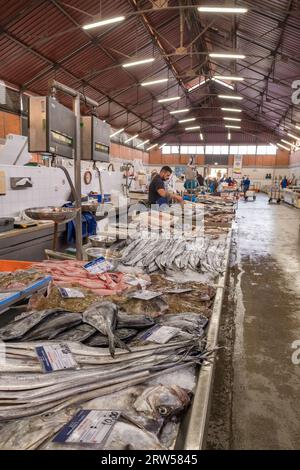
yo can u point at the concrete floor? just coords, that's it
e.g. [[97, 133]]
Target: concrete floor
[[257, 388]]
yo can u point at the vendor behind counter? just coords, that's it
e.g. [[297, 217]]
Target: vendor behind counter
[[158, 194]]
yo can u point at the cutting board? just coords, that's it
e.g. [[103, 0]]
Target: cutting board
[[2, 183]]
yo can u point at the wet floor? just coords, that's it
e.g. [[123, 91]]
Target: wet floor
[[257, 388]]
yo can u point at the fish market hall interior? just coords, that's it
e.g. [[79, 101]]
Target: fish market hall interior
[[149, 225]]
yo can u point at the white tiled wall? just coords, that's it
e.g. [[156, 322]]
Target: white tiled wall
[[50, 187]]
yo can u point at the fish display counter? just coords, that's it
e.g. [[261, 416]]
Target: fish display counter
[[291, 196], [132, 345]]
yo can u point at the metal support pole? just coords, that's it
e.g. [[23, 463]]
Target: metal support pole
[[77, 177]]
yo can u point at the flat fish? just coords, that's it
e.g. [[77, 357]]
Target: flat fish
[[98, 339], [56, 324], [24, 323], [77, 333], [103, 317]]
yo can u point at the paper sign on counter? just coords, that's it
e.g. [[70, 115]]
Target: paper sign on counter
[[68, 293], [145, 294], [98, 266], [160, 334]]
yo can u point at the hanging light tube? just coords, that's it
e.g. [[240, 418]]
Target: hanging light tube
[[232, 78], [151, 147], [217, 55], [166, 100], [232, 127], [233, 110], [197, 85], [229, 135], [178, 111], [143, 143], [154, 82], [201, 136], [117, 132], [234, 10], [138, 62], [192, 128], [131, 138], [161, 146], [231, 119], [284, 147], [230, 97], [223, 83], [97, 24], [187, 120], [293, 136]]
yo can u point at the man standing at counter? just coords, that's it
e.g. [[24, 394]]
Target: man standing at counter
[[157, 191]]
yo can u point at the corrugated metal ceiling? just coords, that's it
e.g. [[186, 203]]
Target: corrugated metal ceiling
[[43, 39]]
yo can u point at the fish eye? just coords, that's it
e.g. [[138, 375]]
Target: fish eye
[[163, 410]]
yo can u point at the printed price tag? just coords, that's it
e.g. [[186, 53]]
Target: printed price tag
[[88, 427], [98, 266], [160, 334], [67, 293], [145, 294], [56, 357]]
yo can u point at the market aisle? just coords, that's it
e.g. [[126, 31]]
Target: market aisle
[[266, 412], [261, 406]]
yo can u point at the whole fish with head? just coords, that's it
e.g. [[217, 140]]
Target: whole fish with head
[[138, 322], [24, 323], [50, 327], [78, 333], [103, 317], [124, 334]]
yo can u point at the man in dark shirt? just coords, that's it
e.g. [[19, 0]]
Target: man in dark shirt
[[157, 192]]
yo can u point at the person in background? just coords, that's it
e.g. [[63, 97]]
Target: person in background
[[229, 181], [284, 182], [246, 185], [157, 192], [213, 185], [200, 179]]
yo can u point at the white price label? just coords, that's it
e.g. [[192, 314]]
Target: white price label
[[88, 427], [55, 357], [160, 334], [68, 293], [98, 266], [145, 294]]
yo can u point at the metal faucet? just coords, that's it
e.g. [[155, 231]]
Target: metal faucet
[[126, 168]]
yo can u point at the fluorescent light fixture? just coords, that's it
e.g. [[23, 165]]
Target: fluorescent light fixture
[[236, 10], [273, 145], [187, 120], [161, 146], [231, 119], [284, 147], [232, 127], [230, 97], [154, 82], [288, 143], [197, 85], [217, 55], [201, 136], [223, 83], [229, 135], [138, 62], [232, 110], [166, 100], [131, 138], [228, 77], [143, 143], [177, 111], [297, 127], [151, 147], [117, 132], [293, 136], [192, 128], [118, 19]]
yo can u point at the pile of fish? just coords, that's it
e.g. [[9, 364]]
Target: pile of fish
[[149, 420], [204, 255], [70, 273], [18, 280]]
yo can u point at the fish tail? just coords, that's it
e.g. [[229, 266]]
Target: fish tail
[[122, 345], [111, 342]]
